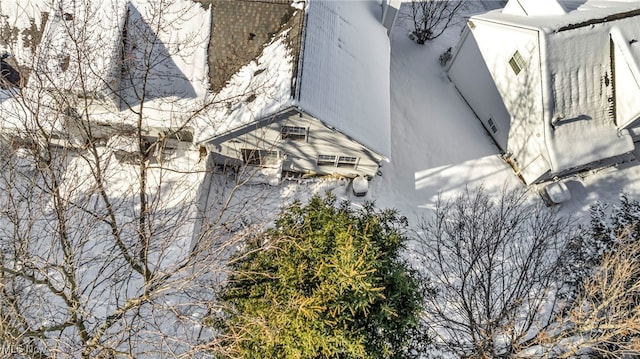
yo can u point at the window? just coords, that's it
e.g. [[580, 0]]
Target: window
[[347, 161], [184, 135], [259, 157], [293, 133], [269, 158], [517, 62], [251, 157], [326, 160], [337, 161], [493, 126]]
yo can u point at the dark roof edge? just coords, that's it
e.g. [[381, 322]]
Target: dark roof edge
[[614, 17]]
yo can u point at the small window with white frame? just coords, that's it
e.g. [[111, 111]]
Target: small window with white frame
[[337, 161], [517, 62], [293, 133], [326, 160], [347, 161]]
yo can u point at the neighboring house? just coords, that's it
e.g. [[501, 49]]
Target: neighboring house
[[43, 39], [335, 119], [22, 25], [556, 84], [98, 27]]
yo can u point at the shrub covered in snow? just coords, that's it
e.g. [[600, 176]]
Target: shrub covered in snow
[[602, 315], [608, 227]]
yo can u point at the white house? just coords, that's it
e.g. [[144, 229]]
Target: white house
[[315, 100], [84, 38], [556, 84], [336, 119], [51, 40]]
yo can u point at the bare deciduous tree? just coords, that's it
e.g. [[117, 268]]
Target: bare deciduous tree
[[106, 249], [603, 315], [430, 18], [607, 316], [492, 264]]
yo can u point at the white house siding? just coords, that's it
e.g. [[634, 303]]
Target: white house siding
[[521, 114], [627, 78], [472, 78], [300, 155]]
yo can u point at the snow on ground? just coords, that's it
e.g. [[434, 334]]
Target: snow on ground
[[437, 143]]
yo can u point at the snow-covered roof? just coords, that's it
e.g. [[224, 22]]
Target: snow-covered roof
[[554, 15], [25, 21], [344, 77], [345, 70], [260, 89], [579, 88], [82, 37], [344, 74], [534, 7]]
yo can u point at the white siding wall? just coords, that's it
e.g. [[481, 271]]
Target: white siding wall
[[473, 80], [301, 155], [521, 93], [627, 82]]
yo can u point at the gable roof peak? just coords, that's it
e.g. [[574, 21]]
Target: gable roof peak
[[534, 8]]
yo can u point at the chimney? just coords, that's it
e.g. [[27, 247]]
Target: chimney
[[390, 9]]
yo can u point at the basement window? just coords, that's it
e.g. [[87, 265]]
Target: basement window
[[293, 133], [517, 62]]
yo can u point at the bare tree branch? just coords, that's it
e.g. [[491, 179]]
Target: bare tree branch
[[492, 263]]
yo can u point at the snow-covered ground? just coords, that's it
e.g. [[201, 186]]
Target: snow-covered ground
[[437, 143]]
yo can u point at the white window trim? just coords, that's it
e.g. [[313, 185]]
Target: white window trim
[[343, 161], [295, 133]]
